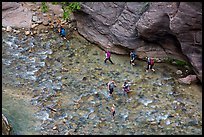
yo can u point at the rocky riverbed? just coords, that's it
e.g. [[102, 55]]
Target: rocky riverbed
[[58, 87]]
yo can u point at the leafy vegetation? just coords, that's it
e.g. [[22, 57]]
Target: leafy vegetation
[[68, 8], [44, 7], [178, 62]]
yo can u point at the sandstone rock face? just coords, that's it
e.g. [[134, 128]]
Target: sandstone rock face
[[15, 15], [110, 24], [6, 127], [187, 26], [157, 29]]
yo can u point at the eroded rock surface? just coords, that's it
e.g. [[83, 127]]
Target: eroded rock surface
[[6, 127]]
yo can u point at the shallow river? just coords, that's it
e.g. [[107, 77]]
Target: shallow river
[[50, 86]]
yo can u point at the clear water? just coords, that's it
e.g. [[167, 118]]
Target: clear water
[[48, 89]]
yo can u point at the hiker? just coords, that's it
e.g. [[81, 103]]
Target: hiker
[[108, 55], [62, 32], [111, 85], [150, 64], [113, 110], [133, 56], [126, 87]]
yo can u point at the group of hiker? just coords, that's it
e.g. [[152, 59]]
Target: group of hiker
[[112, 84], [133, 57], [126, 85]]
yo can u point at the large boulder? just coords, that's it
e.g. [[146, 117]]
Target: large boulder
[[15, 15]]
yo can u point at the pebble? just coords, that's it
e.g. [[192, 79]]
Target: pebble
[[54, 128], [17, 31], [27, 32], [168, 122], [34, 25], [44, 14], [178, 72], [39, 21], [35, 18], [8, 29], [45, 23], [3, 29]]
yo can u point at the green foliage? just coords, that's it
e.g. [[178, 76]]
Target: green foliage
[[68, 8], [178, 62], [55, 3], [44, 7]]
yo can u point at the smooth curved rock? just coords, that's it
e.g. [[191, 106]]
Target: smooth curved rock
[[6, 127]]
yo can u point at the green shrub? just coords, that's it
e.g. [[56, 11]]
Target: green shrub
[[68, 8], [44, 7], [177, 62]]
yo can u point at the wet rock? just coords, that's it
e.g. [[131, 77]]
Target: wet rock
[[45, 23], [193, 122], [34, 25], [4, 29], [39, 21], [17, 31], [188, 80], [55, 128], [34, 18], [6, 127], [178, 72], [27, 33], [44, 14], [34, 32]]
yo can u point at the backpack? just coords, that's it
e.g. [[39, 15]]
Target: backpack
[[126, 87], [111, 85], [133, 55], [62, 31], [151, 61], [108, 54]]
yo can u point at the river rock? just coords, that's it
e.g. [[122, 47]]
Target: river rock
[[34, 25], [188, 80], [27, 33], [34, 18], [17, 31], [8, 29], [39, 21], [6, 127], [4, 29], [178, 72], [45, 23]]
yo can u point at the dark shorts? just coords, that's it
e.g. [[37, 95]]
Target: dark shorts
[[126, 90], [113, 113], [111, 90]]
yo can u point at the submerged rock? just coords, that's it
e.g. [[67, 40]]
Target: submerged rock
[[6, 127]]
